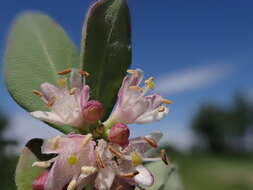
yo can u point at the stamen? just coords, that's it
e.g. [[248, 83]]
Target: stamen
[[150, 83], [133, 72], [55, 142], [115, 152], [84, 73], [164, 157], [166, 101], [51, 101], [73, 91], [88, 170], [72, 160], [99, 160], [150, 141], [62, 82], [136, 88], [136, 158], [37, 93], [72, 185], [64, 72], [41, 164], [161, 109], [86, 139], [130, 175]]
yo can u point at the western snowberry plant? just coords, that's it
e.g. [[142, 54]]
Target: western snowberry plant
[[91, 98]]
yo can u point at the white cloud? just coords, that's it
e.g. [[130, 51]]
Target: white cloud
[[192, 78], [23, 127]]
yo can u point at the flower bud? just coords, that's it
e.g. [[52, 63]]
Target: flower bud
[[39, 182], [92, 111], [119, 134]]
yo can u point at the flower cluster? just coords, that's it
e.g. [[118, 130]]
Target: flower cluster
[[104, 158]]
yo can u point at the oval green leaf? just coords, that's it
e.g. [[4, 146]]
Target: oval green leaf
[[37, 49], [106, 49]]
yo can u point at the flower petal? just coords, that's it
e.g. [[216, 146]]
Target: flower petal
[[105, 179], [151, 117], [76, 79], [144, 177], [50, 117], [85, 95], [50, 90]]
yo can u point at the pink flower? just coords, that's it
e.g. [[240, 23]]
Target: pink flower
[[119, 134], [104, 166], [68, 107], [133, 106]]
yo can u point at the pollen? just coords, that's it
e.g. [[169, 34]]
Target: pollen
[[88, 170], [86, 139], [72, 160], [72, 185], [136, 158], [51, 101], [62, 82], [130, 175], [41, 164], [73, 91], [166, 101], [37, 93], [161, 109], [150, 141], [64, 72], [150, 83], [55, 142], [132, 72], [115, 152], [136, 88], [84, 73]]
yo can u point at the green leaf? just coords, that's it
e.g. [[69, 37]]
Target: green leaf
[[37, 49], [166, 177], [25, 173], [106, 49]]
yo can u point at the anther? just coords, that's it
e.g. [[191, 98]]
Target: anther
[[161, 109], [73, 91], [51, 101], [130, 175], [164, 157], [120, 187], [115, 152], [132, 72], [37, 93], [88, 170], [136, 88], [64, 72], [99, 160], [150, 141], [166, 101], [84, 73], [55, 142], [72, 185], [86, 139], [62, 82], [41, 164]]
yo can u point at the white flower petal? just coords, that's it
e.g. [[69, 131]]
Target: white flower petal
[[48, 117], [152, 116], [50, 90], [144, 177], [76, 79], [105, 179]]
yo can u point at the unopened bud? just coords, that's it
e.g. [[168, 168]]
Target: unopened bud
[[119, 134], [93, 111], [39, 182]]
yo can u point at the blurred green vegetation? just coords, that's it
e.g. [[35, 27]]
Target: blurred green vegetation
[[212, 172], [7, 160]]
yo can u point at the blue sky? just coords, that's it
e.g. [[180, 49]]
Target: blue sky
[[198, 51]]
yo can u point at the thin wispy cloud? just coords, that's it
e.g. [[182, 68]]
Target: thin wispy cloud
[[192, 78]]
